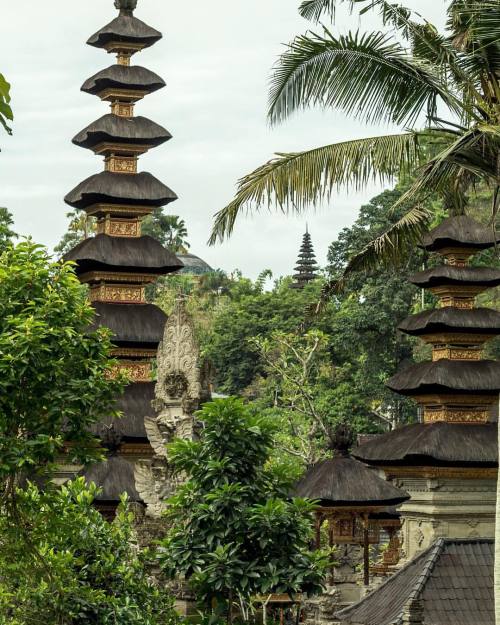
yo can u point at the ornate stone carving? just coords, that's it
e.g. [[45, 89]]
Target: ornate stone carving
[[181, 388]]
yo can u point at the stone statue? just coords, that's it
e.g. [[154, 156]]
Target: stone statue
[[183, 385]]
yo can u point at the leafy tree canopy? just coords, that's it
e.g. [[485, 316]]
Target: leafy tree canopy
[[235, 533], [6, 114], [6, 232], [169, 230], [54, 381], [63, 563]]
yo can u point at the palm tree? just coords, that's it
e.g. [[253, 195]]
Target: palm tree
[[376, 78], [169, 230]]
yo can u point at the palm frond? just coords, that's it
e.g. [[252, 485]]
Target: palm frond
[[292, 181], [388, 249], [369, 76], [314, 9]]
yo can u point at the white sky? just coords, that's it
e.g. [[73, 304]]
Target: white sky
[[216, 58]]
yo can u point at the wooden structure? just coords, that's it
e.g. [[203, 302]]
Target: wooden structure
[[348, 493], [119, 262]]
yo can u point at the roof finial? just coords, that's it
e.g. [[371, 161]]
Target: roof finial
[[126, 7]]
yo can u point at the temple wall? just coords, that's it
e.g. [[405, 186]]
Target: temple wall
[[445, 507]]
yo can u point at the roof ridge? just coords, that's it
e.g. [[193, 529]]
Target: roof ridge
[[435, 550]]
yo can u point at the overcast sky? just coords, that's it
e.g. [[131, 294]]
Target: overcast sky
[[216, 58]]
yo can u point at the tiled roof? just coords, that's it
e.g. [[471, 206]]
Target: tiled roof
[[452, 579]]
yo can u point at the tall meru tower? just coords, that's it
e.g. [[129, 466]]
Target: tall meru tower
[[119, 262], [307, 267]]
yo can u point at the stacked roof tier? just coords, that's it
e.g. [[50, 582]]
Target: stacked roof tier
[[119, 262], [458, 385], [306, 267]]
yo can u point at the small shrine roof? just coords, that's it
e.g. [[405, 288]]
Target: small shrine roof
[[452, 319], [194, 264], [343, 481], [142, 254], [440, 443], [131, 325], [114, 129], [126, 29], [141, 189], [135, 405], [114, 476], [452, 274], [480, 376], [125, 77], [451, 581], [460, 231]]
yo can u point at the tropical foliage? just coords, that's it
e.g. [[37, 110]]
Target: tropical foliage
[[405, 78], [6, 232], [54, 371], [235, 533], [62, 563], [169, 230], [6, 114]]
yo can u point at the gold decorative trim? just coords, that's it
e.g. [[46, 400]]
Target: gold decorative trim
[[123, 58], [136, 449], [122, 210], [457, 338], [427, 472], [116, 47], [133, 352], [126, 228], [137, 371], [122, 109], [122, 149], [125, 95], [458, 256], [456, 415], [123, 293], [121, 164], [456, 353], [466, 399], [108, 276]]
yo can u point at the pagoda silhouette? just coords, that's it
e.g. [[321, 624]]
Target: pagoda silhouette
[[306, 268], [119, 261]]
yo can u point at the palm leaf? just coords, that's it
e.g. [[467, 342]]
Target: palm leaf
[[388, 249], [314, 9], [292, 181], [369, 76]]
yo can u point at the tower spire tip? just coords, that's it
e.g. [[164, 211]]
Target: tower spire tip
[[126, 7]]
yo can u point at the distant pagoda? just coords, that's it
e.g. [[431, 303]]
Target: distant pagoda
[[119, 262], [307, 268], [449, 462]]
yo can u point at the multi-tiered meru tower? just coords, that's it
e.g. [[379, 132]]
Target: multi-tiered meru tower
[[119, 262], [449, 462], [307, 267]]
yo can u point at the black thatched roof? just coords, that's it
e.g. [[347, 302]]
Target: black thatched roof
[[481, 376], [141, 189], [123, 77], [440, 443], [194, 264], [451, 274], [459, 231], [115, 476], [451, 319], [452, 581], [132, 325], [115, 129], [141, 254], [343, 481], [125, 29], [135, 405]]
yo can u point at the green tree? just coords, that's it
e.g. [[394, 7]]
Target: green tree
[[6, 233], [54, 371], [393, 78], [79, 568], [169, 230], [6, 114], [235, 533]]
